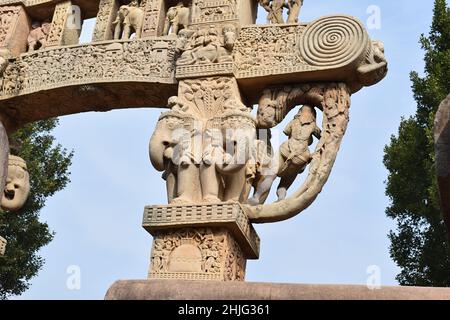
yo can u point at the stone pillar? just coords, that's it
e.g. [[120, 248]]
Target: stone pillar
[[442, 146], [59, 33], [107, 12], [154, 18], [4, 153], [200, 242], [14, 29]]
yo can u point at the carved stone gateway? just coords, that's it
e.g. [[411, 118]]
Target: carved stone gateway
[[208, 63]]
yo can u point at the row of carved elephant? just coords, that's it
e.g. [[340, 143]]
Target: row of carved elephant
[[224, 158]]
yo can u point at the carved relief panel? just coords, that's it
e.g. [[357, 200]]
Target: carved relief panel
[[163, 17], [197, 254], [105, 17], [60, 34], [14, 29]]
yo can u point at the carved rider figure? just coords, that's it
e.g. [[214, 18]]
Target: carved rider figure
[[294, 153]]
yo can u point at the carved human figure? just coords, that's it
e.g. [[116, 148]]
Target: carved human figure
[[38, 36], [294, 7], [261, 172], [294, 153], [177, 18], [208, 46], [17, 186], [129, 19], [274, 9]]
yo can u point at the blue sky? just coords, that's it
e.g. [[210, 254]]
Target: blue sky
[[97, 218]]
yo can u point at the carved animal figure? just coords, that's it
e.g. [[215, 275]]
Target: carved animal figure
[[38, 36], [177, 18], [129, 19], [172, 150]]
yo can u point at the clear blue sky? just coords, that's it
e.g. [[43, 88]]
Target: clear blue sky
[[97, 218]]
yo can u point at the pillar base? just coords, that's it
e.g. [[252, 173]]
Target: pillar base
[[200, 242]]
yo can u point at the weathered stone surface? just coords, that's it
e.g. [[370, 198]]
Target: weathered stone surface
[[200, 242], [212, 290], [442, 139]]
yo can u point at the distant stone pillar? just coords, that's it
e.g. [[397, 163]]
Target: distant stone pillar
[[442, 146], [14, 29], [4, 153], [60, 34], [107, 12], [154, 18]]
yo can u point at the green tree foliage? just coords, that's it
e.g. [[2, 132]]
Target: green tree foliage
[[419, 244], [48, 165]]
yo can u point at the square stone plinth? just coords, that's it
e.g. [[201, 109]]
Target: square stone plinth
[[200, 242]]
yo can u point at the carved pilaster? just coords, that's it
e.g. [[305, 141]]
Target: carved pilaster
[[14, 29], [60, 34], [107, 12], [200, 242], [154, 18], [214, 11]]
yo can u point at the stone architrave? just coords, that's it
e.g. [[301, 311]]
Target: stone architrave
[[442, 146], [60, 34], [14, 29], [107, 12]]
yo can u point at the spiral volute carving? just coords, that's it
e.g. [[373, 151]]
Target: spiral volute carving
[[333, 41]]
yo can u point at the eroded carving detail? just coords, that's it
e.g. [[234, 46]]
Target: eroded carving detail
[[268, 50], [197, 253], [335, 104], [17, 186], [8, 17], [144, 60], [207, 11], [106, 11], [37, 38], [56, 35]]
